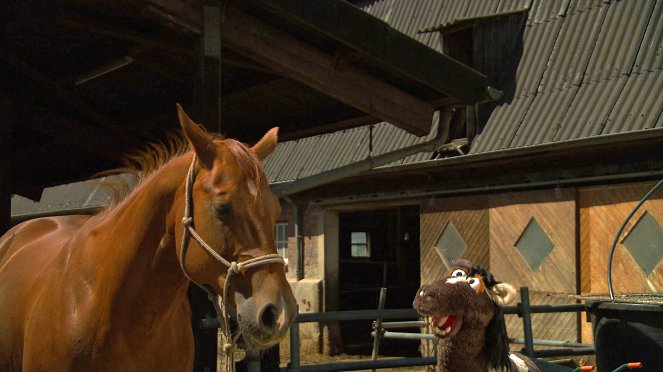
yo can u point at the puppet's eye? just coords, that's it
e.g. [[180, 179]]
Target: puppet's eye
[[458, 273], [474, 283]]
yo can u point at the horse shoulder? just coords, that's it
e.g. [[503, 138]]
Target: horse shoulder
[[29, 300]]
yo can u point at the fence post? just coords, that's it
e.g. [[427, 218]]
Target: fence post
[[253, 361], [294, 344], [525, 311], [377, 325]]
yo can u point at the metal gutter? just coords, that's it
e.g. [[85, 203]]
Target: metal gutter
[[608, 139], [283, 189], [413, 194]]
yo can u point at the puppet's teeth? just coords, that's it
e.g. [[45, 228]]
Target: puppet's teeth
[[447, 330]]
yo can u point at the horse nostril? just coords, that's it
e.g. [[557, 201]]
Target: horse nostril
[[268, 317]]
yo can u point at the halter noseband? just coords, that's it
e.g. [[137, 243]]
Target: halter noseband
[[233, 267]]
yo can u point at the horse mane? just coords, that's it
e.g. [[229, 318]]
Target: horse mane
[[142, 165], [497, 342]]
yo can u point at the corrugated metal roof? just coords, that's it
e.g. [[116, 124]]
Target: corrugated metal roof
[[409, 16], [502, 126], [615, 49], [481, 7], [590, 109], [639, 106], [650, 55], [278, 160], [86, 194], [588, 88], [544, 118], [538, 40], [573, 49]]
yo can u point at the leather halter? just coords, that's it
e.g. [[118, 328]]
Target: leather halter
[[234, 267]]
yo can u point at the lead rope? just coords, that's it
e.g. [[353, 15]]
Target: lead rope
[[221, 307]]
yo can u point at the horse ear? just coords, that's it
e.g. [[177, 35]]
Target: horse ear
[[266, 145], [502, 294], [199, 139]]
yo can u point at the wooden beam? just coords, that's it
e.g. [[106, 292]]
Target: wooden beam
[[92, 139], [298, 61], [328, 128], [69, 97], [386, 46], [117, 32]]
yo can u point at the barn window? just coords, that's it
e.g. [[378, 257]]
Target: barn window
[[360, 244], [645, 243], [450, 246], [281, 239], [534, 244]]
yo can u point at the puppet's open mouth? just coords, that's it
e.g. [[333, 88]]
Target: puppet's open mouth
[[445, 326]]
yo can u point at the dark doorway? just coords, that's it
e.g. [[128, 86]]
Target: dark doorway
[[377, 248]]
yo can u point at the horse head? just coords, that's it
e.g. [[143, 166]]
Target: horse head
[[469, 298], [233, 212]]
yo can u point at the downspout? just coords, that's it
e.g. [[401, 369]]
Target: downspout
[[284, 189]]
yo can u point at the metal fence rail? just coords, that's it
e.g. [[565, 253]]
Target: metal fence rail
[[523, 309]]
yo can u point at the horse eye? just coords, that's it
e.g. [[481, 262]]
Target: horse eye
[[222, 210], [474, 283], [458, 272]]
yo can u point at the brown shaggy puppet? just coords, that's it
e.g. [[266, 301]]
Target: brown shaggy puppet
[[466, 312]]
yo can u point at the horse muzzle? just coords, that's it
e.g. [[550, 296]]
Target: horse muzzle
[[264, 324]]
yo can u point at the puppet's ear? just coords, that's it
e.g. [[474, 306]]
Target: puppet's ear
[[502, 294]]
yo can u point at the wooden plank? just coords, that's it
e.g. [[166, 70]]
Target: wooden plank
[[69, 98], [374, 38], [554, 211], [323, 72], [608, 207], [603, 210], [469, 216]]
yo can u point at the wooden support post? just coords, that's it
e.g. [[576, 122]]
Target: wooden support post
[[5, 165], [208, 95]]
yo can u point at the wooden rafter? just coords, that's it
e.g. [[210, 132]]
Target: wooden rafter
[[122, 33], [326, 73], [69, 97], [376, 40], [72, 132], [323, 72]]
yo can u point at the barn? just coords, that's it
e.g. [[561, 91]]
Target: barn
[[533, 186], [522, 144]]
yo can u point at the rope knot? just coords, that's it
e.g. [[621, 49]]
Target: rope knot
[[234, 268], [187, 221], [227, 348]]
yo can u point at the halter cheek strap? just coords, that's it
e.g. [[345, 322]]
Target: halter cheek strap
[[234, 268]]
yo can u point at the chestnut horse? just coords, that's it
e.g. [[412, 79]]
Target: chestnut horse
[[109, 292]]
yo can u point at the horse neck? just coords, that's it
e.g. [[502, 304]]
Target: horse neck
[[465, 351], [136, 260]]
